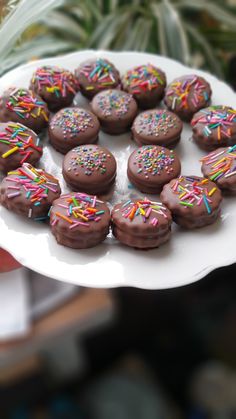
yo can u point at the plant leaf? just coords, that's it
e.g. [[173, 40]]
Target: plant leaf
[[206, 47], [173, 32], [20, 19]]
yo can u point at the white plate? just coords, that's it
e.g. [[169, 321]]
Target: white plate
[[189, 255]]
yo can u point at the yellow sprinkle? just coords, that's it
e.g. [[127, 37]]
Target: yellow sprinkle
[[9, 152], [83, 217], [218, 162], [211, 191]]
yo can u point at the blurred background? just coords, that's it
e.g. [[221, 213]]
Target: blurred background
[[126, 353]]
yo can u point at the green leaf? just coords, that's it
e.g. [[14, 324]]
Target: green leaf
[[176, 41], [20, 19], [206, 48], [214, 10]]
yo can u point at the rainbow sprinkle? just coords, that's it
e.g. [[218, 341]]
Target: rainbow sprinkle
[[99, 72], [17, 138], [72, 121], [113, 102], [33, 183], [186, 91], [222, 163], [77, 209], [143, 78], [153, 160], [54, 80], [147, 210], [26, 104], [193, 191], [157, 122], [91, 159], [219, 119]]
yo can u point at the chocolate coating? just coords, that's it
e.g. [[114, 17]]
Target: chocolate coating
[[150, 167], [141, 223], [193, 201], [95, 75], [79, 220], [71, 127], [186, 95], [55, 85], [146, 83], [89, 168], [214, 126], [18, 144], [24, 106], [157, 127], [220, 167], [115, 110], [29, 192]]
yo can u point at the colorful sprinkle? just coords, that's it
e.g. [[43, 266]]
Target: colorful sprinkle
[[72, 121], [156, 123], [113, 102], [54, 80], [144, 78], [89, 159], [26, 104], [153, 160], [216, 118], [187, 91]]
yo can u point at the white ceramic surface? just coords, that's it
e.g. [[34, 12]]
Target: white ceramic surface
[[189, 255]]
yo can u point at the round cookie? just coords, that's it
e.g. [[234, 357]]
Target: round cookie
[[220, 167], [146, 83], [186, 95], [193, 201], [157, 127], [214, 127], [18, 144], [55, 85], [24, 106], [89, 168], [96, 75], [71, 127], [79, 220], [151, 167], [141, 223], [29, 192], [115, 110]]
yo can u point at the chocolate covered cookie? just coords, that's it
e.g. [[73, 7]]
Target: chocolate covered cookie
[[29, 192], [220, 167], [55, 85], [89, 168], [95, 75], [141, 223], [151, 167], [214, 127], [18, 144], [146, 83], [193, 201], [157, 127], [71, 127], [79, 220], [115, 110], [24, 106], [186, 95]]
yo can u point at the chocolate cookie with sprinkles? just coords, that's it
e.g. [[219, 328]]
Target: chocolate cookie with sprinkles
[[18, 144], [146, 83], [29, 192], [220, 167], [55, 85], [193, 201], [186, 95], [214, 126], [141, 223], [79, 220], [71, 127], [115, 110], [151, 167], [89, 168], [24, 106], [95, 75], [157, 127]]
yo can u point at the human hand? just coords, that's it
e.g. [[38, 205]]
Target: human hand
[[7, 262]]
